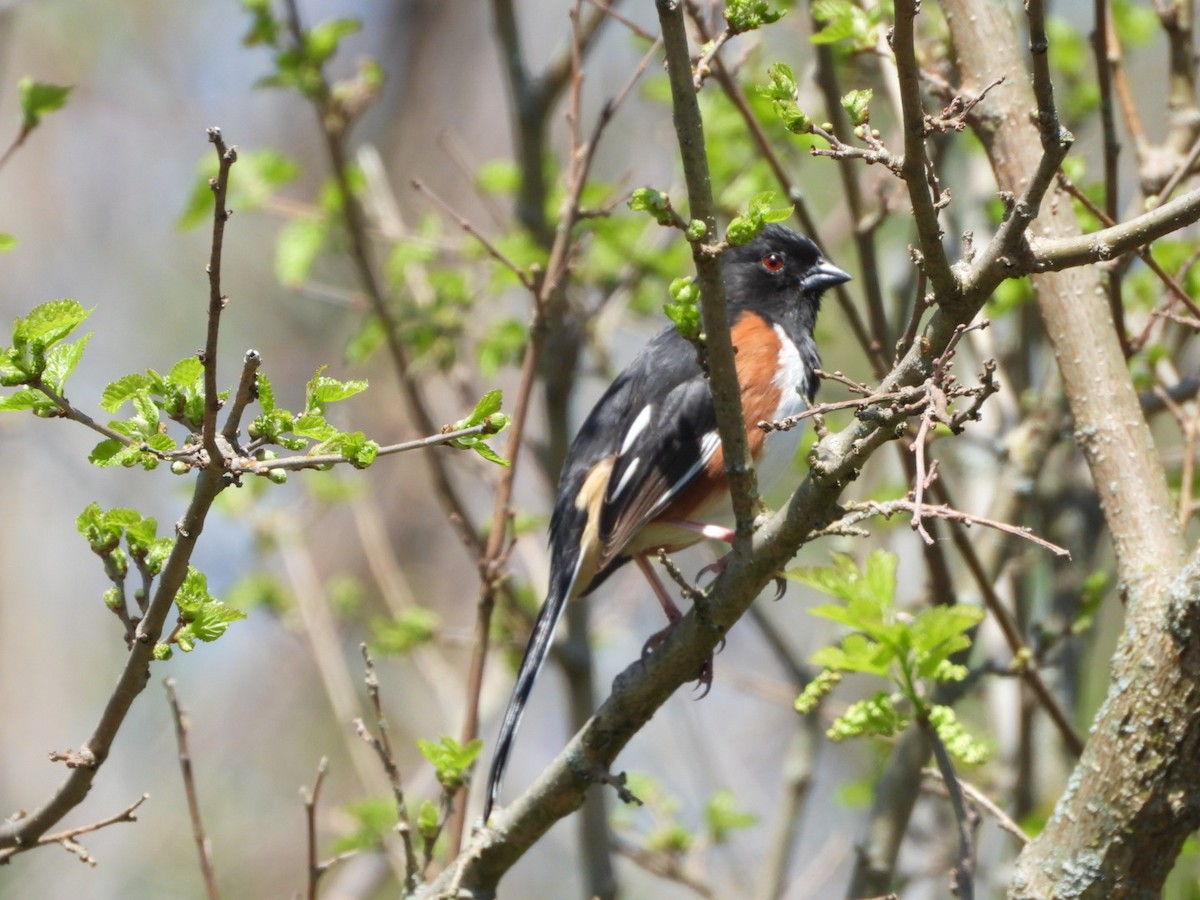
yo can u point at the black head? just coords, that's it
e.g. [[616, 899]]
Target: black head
[[778, 266]]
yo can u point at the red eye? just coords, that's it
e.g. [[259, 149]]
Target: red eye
[[772, 262]]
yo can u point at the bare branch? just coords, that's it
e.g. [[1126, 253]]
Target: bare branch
[[984, 802], [67, 838], [962, 879], [226, 157], [189, 788], [382, 745]]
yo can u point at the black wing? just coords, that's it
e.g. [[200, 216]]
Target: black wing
[[643, 442], [653, 430]]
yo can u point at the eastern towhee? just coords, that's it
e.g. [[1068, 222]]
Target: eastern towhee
[[646, 471]]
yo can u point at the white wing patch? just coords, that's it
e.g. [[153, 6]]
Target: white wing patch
[[638, 426], [629, 470], [708, 446]]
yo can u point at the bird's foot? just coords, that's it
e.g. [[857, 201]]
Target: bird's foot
[[716, 567], [704, 677]]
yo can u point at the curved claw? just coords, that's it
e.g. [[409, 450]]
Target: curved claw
[[714, 569], [704, 677], [718, 566]]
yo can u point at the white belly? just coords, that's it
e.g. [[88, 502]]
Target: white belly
[[779, 448]]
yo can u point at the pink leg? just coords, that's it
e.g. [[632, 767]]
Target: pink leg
[[704, 678]]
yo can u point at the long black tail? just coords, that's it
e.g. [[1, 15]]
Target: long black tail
[[531, 664]]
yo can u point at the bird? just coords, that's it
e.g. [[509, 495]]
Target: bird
[[646, 471]]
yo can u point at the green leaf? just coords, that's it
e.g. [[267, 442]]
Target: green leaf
[[188, 372], [489, 404], [161, 442], [1136, 24], [7, 242], [140, 535], [322, 389], [939, 632], [486, 413], [722, 816], [656, 203], [450, 759], [353, 446], [758, 213], [782, 83], [104, 453], [259, 589], [48, 323], [207, 624], [671, 838], [857, 106], [266, 394], [502, 345], [21, 400], [780, 89], [157, 553], [124, 388], [498, 176], [857, 654], [103, 529], [843, 20], [296, 250], [193, 593], [747, 15], [375, 817], [408, 629], [322, 41], [427, 820], [62, 360], [684, 308], [264, 27], [314, 427], [485, 450], [38, 98], [844, 580]]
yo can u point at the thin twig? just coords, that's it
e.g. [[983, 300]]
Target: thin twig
[[382, 745], [317, 868], [354, 219], [549, 294], [1024, 661], [226, 157], [67, 411], [982, 800], [253, 466], [916, 161], [26, 831], [1169, 282], [247, 392], [862, 230], [203, 845], [963, 877], [63, 837], [310, 820], [1112, 150], [665, 865], [889, 508], [465, 224]]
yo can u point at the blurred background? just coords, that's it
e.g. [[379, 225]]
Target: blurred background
[[95, 199]]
